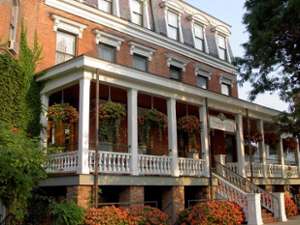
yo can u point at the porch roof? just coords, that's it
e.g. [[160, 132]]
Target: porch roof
[[141, 80]]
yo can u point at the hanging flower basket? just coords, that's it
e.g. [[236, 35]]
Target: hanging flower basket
[[254, 137], [152, 119], [271, 139], [290, 143], [62, 113], [110, 116]]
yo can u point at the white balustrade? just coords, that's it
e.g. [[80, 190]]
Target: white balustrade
[[257, 169], [233, 167], [155, 165], [62, 162], [192, 167], [111, 162], [291, 171], [274, 170]]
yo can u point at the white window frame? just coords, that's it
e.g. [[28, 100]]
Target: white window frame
[[226, 80], [61, 23], [64, 52], [139, 49], [172, 7], [109, 39], [111, 8], [224, 32], [177, 62], [203, 22], [145, 13]]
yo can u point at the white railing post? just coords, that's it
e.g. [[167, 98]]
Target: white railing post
[[254, 216], [132, 95], [281, 155], [84, 121], [44, 120], [204, 138], [298, 156], [279, 211], [262, 147], [172, 135], [240, 145]]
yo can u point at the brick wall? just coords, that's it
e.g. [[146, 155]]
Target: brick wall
[[81, 195], [133, 194]]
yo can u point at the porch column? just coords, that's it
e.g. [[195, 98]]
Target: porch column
[[298, 155], [84, 122], [133, 129], [44, 120], [204, 137], [281, 156], [172, 135], [262, 147], [240, 145]]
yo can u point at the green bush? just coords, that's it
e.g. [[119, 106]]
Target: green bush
[[66, 213]]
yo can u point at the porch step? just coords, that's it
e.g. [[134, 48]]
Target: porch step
[[268, 217]]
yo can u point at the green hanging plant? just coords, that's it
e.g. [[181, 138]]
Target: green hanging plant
[[110, 117], [63, 113], [189, 125]]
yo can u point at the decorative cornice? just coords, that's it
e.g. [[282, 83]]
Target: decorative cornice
[[139, 49], [109, 39]]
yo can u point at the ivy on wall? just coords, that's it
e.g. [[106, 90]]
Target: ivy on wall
[[20, 104]]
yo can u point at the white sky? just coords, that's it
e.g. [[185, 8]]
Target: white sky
[[231, 11]]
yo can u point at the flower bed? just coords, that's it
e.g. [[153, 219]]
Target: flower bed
[[146, 215], [290, 206], [212, 213]]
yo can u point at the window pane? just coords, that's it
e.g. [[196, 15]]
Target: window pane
[[107, 52], [202, 82], [137, 19], [173, 33], [225, 89], [199, 44], [172, 19], [140, 62], [221, 42], [62, 57], [198, 31], [175, 72], [66, 43], [137, 6], [222, 54], [105, 5]]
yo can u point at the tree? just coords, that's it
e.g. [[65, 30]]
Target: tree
[[272, 55]]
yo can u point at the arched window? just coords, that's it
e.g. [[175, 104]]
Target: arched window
[[13, 24]]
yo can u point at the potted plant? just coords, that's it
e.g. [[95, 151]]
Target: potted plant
[[290, 143], [61, 118], [189, 126], [110, 117], [149, 120]]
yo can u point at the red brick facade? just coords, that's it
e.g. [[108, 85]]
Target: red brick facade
[[82, 195]]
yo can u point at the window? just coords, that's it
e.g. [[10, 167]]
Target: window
[[199, 37], [222, 47], [175, 72], [226, 89], [137, 12], [140, 62], [173, 25], [107, 52], [202, 82], [65, 46], [105, 5]]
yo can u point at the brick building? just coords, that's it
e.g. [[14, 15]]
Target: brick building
[[152, 54]]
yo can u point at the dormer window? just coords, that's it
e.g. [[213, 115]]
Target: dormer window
[[222, 47], [199, 37], [137, 12], [173, 25], [105, 5]]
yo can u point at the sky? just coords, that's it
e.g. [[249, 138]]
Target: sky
[[231, 12]]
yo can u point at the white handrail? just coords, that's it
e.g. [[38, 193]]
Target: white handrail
[[62, 162], [192, 167]]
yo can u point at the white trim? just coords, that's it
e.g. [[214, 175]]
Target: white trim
[[68, 25], [109, 39], [206, 49], [145, 8], [202, 72], [99, 17], [176, 61], [139, 49], [226, 80]]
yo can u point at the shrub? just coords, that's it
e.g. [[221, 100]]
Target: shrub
[[290, 206], [108, 216], [66, 213], [146, 215], [212, 213]]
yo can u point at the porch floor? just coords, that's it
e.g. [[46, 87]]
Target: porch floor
[[291, 221]]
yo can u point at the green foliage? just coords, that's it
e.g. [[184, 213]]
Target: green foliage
[[21, 161], [67, 213], [19, 93]]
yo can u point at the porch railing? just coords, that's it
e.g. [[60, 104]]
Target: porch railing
[[155, 165], [62, 162], [191, 167]]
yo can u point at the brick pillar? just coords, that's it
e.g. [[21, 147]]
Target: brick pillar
[[133, 194], [173, 201], [81, 195], [207, 192]]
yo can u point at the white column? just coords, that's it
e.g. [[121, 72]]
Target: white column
[[254, 216], [240, 145], [262, 147], [181, 39], [204, 137], [146, 15], [44, 120], [133, 129], [298, 155], [172, 135], [280, 209], [116, 8], [84, 122], [281, 156]]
